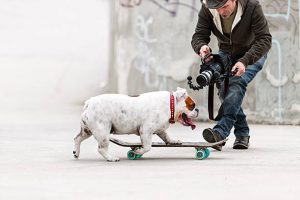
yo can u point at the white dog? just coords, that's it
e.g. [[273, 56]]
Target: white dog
[[144, 115]]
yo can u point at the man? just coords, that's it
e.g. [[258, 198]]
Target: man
[[242, 32]]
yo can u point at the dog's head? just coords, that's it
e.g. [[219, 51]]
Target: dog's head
[[185, 108]]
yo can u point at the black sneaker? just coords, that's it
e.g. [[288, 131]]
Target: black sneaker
[[241, 142], [212, 136]]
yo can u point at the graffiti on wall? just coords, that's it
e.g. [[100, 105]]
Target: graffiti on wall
[[282, 16], [145, 61], [169, 6], [130, 3], [147, 32]]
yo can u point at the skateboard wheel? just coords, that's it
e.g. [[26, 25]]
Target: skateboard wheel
[[131, 155], [200, 154], [207, 152], [138, 155]]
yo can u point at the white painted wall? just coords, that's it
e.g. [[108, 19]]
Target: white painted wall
[[53, 53]]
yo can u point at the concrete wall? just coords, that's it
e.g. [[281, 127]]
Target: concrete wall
[[151, 51]]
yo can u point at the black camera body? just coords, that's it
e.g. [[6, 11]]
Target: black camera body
[[213, 71]]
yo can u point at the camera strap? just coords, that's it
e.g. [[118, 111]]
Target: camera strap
[[211, 100]]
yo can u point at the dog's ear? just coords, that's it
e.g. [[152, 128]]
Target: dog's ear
[[181, 94]]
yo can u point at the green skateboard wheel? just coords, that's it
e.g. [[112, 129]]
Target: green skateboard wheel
[[207, 152], [138, 155], [132, 156], [200, 154]]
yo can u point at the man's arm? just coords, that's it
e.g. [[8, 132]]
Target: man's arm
[[263, 38], [203, 30]]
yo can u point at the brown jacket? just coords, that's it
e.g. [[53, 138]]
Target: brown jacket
[[250, 38]]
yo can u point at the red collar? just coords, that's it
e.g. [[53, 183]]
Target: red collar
[[172, 108]]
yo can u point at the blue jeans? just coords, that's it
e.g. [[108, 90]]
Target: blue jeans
[[233, 115]]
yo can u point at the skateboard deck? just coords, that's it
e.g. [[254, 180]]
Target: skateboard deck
[[162, 144], [202, 150]]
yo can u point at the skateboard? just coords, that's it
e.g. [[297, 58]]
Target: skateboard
[[202, 150]]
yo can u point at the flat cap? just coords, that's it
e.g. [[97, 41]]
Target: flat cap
[[214, 4]]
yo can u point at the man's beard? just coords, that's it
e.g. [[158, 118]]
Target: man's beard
[[225, 17]]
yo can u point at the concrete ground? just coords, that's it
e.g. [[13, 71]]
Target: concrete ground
[[45, 48], [36, 162]]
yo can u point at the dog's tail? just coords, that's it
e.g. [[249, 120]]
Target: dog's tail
[[84, 125], [86, 104], [84, 117]]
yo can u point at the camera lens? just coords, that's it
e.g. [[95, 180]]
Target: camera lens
[[204, 78]]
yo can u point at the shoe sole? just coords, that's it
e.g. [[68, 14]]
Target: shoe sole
[[218, 148], [240, 146]]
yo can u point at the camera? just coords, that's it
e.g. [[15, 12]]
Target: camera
[[213, 71]]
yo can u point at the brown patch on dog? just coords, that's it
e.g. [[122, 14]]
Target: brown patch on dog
[[190, 103]]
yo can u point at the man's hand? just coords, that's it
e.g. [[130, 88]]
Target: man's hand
[[240, 69], [204, 51]]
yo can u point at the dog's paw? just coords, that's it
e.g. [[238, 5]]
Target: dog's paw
[[112, 159], [141, 150], [175, 142], [76, 154]]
